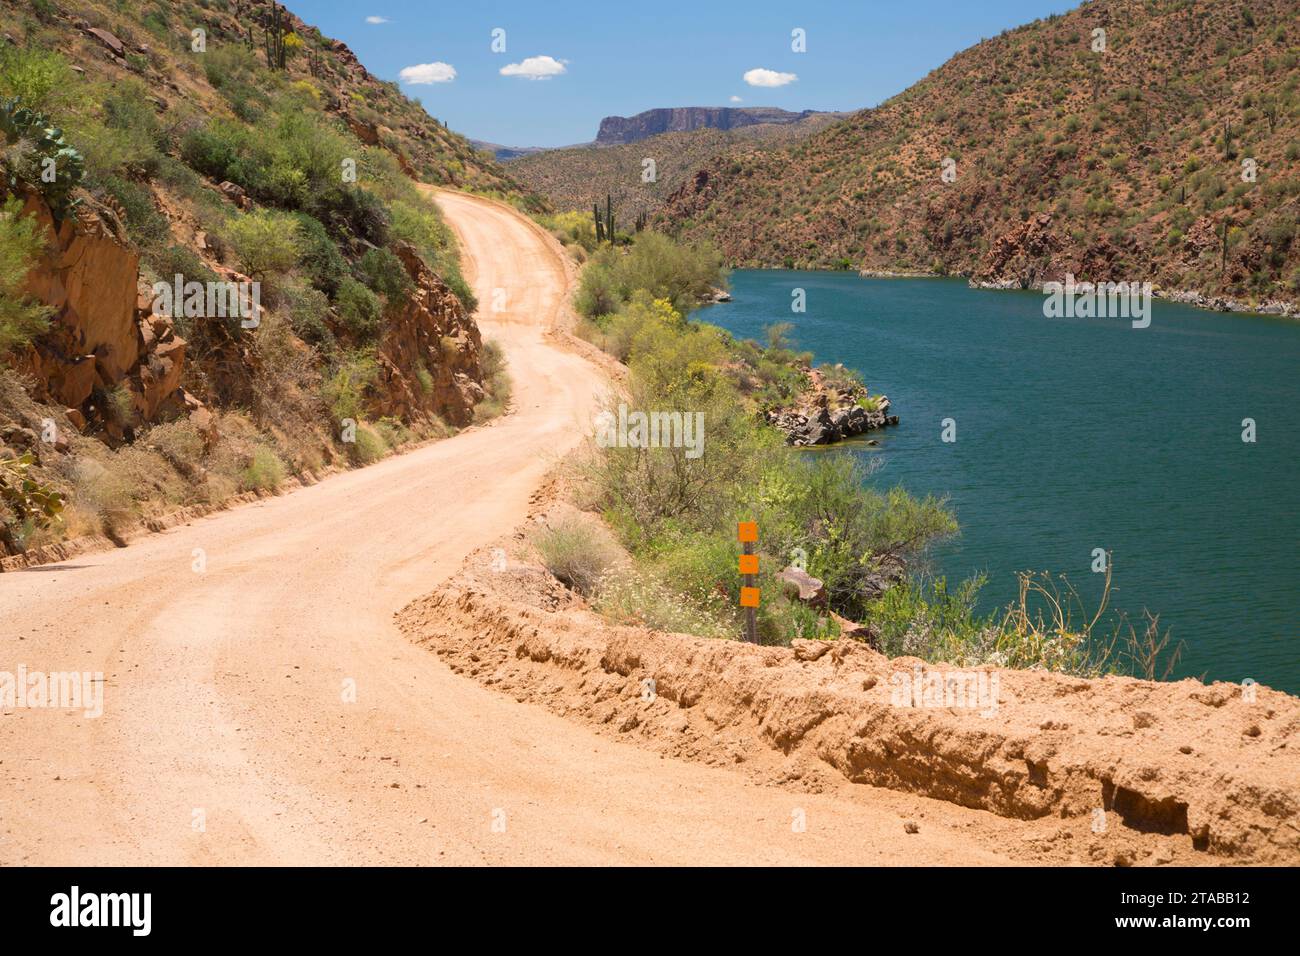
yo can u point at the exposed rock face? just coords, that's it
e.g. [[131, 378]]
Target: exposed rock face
[[103, 333], [429, 356], [1023, 257], [629, 129]]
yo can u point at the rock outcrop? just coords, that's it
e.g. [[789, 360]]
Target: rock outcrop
[[103, 333], [429, 355], [827, 413]]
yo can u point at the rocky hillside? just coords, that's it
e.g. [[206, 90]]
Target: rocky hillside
[[575, 177], [231, 279], [630, 129], [1154, 140]]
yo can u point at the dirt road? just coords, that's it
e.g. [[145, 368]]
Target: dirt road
[[227, 735]]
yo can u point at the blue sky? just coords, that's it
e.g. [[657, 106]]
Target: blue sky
[[621, 57]]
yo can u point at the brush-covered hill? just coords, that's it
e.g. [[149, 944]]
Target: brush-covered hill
[[216, 145], [1121, 154], [575, 177]]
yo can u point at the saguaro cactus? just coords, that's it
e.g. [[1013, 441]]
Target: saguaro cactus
[[274, 33]]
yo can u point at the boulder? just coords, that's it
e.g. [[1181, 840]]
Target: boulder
[[236, 194], [112, 43], [802, 585]]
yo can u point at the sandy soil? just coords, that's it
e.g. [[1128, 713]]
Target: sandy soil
[[226, 737], [1115, 771]]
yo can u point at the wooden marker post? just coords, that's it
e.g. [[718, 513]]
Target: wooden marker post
[[747, 531]]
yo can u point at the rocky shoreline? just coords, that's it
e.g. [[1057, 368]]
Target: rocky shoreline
[[825, 414]]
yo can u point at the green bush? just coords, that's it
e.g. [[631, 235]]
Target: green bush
[[320, 256], [308, 310], [368, 447], [21, 318], [358, 309], [384, 274], [680, 273], [267, 243], [345, 388], [264, 471], [40, 79], [146, 226]]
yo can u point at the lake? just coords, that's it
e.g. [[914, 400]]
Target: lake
[[1080, 433]]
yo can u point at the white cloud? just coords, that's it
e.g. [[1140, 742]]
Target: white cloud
[[761, 77], [377, 20], [428, 73], [535, 68], [737, 99]]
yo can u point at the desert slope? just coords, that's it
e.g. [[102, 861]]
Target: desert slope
[[1117, 154]]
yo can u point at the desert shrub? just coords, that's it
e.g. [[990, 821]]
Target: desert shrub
[[349, 211], [368, 447], [179, 443], [105, 492], [40, 79], [577, 552], [285, 383], [394, 433], [146, 226], [168, 261], [497, 386], [577, 228], [214, 148], [384, 274], [308, 310], [345, 387], [597, 289], [267, 243], [656, 264], [21, 318], [320, 257], [264, 471], [633, 596], [358, 309]]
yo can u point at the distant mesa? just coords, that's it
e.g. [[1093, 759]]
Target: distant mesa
[[621, 130], [615, 130]]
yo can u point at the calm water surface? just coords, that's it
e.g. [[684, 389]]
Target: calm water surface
[[1075, 434]]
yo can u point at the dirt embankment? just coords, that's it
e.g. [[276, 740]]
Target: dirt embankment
[[1116, 770]]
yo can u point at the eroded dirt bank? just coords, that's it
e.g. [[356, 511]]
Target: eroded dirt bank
[[1116, 770]]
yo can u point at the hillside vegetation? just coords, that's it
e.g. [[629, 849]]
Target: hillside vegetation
[[576, 177], [225, 143], [1122, 162]]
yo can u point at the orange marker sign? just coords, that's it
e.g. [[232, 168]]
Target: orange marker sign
[[747, 531]]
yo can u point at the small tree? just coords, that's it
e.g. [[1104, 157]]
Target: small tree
[[267, 243]]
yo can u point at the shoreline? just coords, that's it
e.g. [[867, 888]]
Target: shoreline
[[1222, 304]]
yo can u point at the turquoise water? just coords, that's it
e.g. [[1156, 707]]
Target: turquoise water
[[1075, 434]]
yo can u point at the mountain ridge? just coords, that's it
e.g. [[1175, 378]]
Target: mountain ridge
[[1126, 162]]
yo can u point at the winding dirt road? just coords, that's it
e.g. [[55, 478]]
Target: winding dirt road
[[226, 737]]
